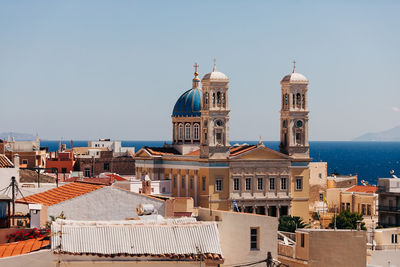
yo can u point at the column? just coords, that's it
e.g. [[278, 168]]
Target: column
[[195, 190], [179, 184], [187, 184]]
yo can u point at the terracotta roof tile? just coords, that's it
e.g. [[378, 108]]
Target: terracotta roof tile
[[62, 193], [161, 151], [194, 153], [5, 162], [234, 151], [22, 247], [363, 189]]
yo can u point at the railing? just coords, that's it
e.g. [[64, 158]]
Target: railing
[[388, 208]]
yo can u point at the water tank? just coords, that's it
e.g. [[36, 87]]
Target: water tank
[[144, 209]]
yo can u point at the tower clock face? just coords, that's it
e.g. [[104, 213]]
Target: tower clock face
[[219, 123], [299, 124]]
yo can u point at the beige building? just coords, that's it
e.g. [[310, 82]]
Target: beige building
[[244, 237], [322, 247], [318, 186]]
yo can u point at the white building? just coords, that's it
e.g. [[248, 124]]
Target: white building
[[114, 146]]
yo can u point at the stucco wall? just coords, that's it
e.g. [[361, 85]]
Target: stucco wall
[[107, 203], [5, 177], [234, 233]]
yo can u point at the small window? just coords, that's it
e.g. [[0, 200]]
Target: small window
[[219, 137], [218, 185], [271, 183], [24, 161], [283, 183], [248, 184], [321, 196], [236, 185], [260, 184], [369, 209], [187, 131], [196, 130], [183, 182], [302, 240], [348, 206], [191, 182], [394, 238], [203, 183], [106, 166], [299, 184], [254, 239], [320, 175], [180, 132]]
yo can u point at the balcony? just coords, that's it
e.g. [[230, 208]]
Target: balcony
[[389, 208]]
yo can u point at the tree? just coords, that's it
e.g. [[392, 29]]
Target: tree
[[290, 223], [347, 220]]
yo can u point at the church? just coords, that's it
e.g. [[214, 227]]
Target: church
[[201, 163]]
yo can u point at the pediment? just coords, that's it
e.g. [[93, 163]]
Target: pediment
[[260, 153]]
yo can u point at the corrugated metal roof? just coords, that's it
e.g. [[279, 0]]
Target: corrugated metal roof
[[138, 238]]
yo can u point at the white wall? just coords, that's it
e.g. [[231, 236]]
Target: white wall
[[107, 203], [5, 178]]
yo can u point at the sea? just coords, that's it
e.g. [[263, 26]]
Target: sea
[[369, 160]]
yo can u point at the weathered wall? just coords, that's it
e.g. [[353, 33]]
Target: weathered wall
[[234, 232], [107, 203]]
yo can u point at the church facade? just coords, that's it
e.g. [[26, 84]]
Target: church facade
[[201, 163]]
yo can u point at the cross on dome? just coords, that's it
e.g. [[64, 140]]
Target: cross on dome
[[195, 69], [215, 65], [294, 66]]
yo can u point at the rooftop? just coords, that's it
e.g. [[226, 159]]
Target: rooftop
[[60, 194], [22, 247], [5, 162], [363, 189]]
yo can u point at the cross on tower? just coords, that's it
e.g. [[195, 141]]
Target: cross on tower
[[215, 65], [294, 66], [195, 66]]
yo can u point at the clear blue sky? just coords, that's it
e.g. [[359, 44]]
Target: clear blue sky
[[90, 69]]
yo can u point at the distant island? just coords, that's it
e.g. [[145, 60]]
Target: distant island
[[17, 136], [388, 135]]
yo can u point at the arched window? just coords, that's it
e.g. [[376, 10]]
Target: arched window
[[213, 98], [298, 100], [187, 131], [206, 98], [180, 131], [223, 98], [196, 129], [286, 99], [293, 99], [304, 102], [218, 98]]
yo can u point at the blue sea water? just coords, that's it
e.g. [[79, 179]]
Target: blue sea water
[[370, 160]]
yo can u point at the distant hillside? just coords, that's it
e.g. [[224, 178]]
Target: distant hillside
[[17, 136], [389, 135]]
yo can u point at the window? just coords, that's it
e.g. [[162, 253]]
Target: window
[[271, 183], [180, 131], [363, 209], [368, 209], [187, 131], [196, 130], [348, 206], [254, 239], [206, 98], [342, 206], [260, 183], [299, 184], [203, 183], [219, 137], [63, 170], [106, 166], [321, 196], [87, 172], [191, 182], [218, 185], [218, 98], [394, 238], [320, 175], [174, 181], [283, 183], [298, 138], [24, 161], [248, 183], [236, 185], [302, 240], [183, 182], [298, 99]]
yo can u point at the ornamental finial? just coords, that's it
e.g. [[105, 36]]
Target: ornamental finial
[[294, 66], [195, 69]]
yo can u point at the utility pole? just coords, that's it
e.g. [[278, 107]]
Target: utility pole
[[13, 198]]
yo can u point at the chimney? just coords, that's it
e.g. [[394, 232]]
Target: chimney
[[16, 161], [146, 185]]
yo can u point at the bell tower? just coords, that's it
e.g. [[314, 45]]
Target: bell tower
[[294, 115], [215, 115]]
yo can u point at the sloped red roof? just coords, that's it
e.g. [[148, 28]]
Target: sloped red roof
[[363, 189], [194, 153], [116, 177], [22, 247], [5, 162], [62, 193], [237, 150]]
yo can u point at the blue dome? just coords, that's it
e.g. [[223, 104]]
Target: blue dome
[[189, 104]]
